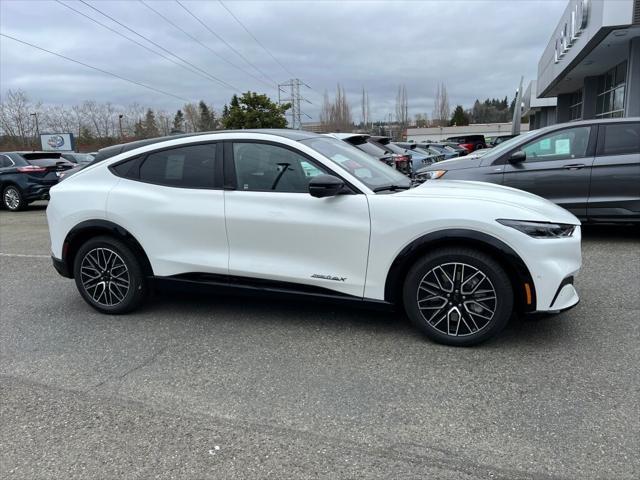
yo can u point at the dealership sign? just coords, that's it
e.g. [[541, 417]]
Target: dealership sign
[[574, 24], [57, 142]]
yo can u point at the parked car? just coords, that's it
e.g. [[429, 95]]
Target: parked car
[[419, 158], [590, 167], [440, 152], [364, 142], [78, 158], [495, 141], [426, 155], [28, 176], [469, 142], [298, 213]]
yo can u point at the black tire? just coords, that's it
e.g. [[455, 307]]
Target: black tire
[[108, 258], [467, 306], [12, 198]]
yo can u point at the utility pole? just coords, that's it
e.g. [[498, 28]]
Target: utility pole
[[120, 125], [517, 110], [295, 99], [37, 127]]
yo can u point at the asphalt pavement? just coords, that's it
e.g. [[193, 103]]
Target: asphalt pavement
[[196, 386]]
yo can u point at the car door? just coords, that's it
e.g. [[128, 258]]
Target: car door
[[171, 200], [278, 231], [557, 167], [615, 176]]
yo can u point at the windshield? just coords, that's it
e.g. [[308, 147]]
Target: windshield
[[83, 157], [370, 171]]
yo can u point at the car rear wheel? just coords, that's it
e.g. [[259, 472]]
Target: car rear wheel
[[458, 296], [109, 276], [12, 199]]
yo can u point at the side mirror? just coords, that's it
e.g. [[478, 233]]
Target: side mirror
[[518, 156], [325, 186]]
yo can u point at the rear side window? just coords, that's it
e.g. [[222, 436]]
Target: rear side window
[[5, 161], [620, 139], [186, 167]]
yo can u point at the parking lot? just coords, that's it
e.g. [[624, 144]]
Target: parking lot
[[208, 386]]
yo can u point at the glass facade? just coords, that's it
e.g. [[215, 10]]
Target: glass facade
[[575, 106], [611, 90]]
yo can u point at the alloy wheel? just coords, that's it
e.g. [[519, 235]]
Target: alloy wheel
[[12, 198], [457, 299], [105, 276]]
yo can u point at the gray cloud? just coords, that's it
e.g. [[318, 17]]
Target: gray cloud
[[477, 48]]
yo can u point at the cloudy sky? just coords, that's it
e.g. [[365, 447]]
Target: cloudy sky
[[477, 48]]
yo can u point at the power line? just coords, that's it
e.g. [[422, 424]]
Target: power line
[[225, 42], [202, 44], [133, 40], [255, 39], [95, 68], [222, 82]]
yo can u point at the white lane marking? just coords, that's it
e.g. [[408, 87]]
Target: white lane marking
[[22, 255]]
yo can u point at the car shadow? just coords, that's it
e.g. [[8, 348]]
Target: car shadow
[[520, 331]]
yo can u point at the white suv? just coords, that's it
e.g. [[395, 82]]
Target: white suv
[[292, 212]]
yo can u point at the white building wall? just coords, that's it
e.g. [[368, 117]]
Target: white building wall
[[441, 133]]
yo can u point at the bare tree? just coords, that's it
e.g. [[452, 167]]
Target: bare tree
[[336, 116], [402, 109], [16, 120], [441, 110], [191, 117]]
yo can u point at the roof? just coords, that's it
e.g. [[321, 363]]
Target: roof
[[114, 150]]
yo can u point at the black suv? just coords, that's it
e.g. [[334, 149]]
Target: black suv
[[28, 176]]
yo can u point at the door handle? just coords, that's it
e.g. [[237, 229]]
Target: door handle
[[574, 166]]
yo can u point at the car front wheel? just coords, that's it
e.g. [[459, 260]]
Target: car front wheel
[[109, 276], [12, 199], [458, 296]]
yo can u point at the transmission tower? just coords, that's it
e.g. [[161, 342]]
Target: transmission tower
[[292, 87]]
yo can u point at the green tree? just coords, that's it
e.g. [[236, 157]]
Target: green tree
[[254, 110], [149, 126], [459, 117], [207, 119], [178, 121]]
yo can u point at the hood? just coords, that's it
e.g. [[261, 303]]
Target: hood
[[539, 209], [468, 161]]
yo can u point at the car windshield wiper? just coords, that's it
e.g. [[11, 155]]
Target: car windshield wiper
[[391, 188]]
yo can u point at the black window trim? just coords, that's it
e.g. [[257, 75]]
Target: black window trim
[[601, 135], [217, 179], [591, 146], [231, 181]]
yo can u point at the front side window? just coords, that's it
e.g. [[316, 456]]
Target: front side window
[[187, 167], [621, 139], [563, 145], [263, 167]]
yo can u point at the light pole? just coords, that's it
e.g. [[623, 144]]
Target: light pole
[[37, 127]]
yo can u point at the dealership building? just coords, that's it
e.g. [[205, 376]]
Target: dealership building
[[591, 64]]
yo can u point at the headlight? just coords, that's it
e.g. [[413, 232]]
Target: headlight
[[540, 229], [432, 175]]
